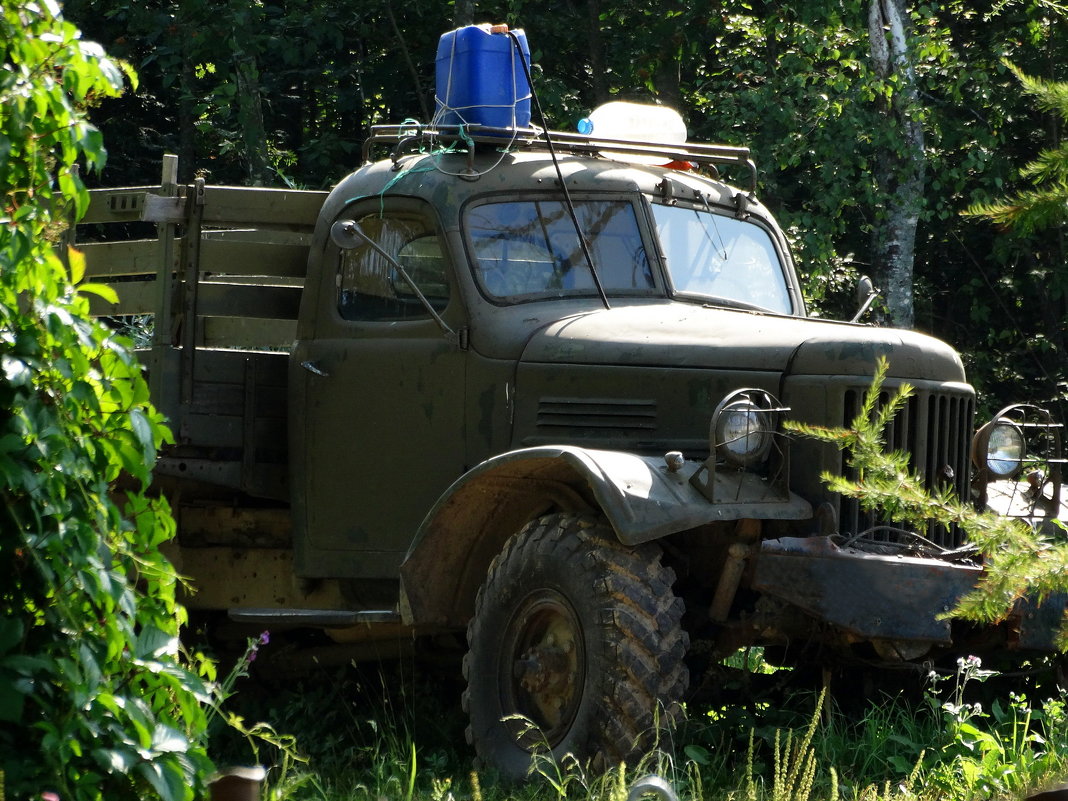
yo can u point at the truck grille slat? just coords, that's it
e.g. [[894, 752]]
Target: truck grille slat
[[934, 429]]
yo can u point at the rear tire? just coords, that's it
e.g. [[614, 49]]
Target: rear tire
[[579, 636]]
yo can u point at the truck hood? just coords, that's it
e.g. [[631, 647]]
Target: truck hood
[[684, 335]]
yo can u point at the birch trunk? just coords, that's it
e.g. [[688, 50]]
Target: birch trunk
[[598, 73], [900, 171], [250, 117]]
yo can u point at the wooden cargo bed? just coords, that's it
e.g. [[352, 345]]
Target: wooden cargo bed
[[213, 301]]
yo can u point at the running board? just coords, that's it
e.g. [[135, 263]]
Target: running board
[[317, 618]]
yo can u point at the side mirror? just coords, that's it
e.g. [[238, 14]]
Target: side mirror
[[866, 295]]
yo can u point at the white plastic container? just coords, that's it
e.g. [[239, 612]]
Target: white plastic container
[[635, 122]]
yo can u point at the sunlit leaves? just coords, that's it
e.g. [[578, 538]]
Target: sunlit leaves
[[82, 582]]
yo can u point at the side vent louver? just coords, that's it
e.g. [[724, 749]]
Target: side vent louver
[[596, 413]]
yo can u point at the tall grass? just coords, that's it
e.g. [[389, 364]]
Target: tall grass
[[393, 733]]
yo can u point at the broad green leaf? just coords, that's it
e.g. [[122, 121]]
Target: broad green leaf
[[142, 428], [105, 291], [154, 643]]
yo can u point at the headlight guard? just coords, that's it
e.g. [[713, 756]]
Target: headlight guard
[[748, 453], [1018, 459], [743, 428]]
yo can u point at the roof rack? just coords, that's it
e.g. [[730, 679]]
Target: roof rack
[[414, 137]]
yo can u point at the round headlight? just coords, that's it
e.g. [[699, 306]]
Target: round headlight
[[743, 433], [1005, 449]]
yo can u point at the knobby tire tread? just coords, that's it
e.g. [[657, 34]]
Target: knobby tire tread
[[639, 622]]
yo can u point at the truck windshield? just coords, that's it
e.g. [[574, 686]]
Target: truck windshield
[[715, 256], [528, 249]]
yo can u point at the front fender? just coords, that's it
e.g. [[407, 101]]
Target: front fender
[[640, 496]]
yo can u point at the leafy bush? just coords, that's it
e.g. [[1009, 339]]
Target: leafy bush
[[94, 701]]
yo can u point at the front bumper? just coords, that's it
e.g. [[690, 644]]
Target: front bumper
[[880, 597]]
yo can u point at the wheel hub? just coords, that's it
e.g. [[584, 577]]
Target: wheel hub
[[545, 668], [548, 663]]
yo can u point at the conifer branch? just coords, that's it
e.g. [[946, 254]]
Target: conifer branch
[[1017, 560]]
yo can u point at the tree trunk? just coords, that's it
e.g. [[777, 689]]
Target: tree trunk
[[416, 81], [187, 133], [250, 117], [667, 80], [464, 13], [598, 73], [900, 170]]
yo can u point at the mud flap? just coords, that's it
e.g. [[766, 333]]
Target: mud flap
[[870, 595]]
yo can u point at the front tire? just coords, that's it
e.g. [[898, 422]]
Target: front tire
[[579, 636]]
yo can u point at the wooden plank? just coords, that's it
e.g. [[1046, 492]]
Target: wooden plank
[[266, 442], [162, 362], [189, 270], [287, 209], [290, 209], [223, 399], [248, 259], [229, 399], [109, 259], [253, 259], [165, 210], [116, 205], [228, 366], [164, 386], [135, 297], [211, 430], [248, 334], [225, 257], [270, 236], [248, 300]]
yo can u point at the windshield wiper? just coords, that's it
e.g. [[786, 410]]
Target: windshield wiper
[[712, 301]]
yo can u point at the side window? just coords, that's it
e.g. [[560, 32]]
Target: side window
[[370, 287]]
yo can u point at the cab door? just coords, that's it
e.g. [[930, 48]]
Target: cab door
[[383, 394]]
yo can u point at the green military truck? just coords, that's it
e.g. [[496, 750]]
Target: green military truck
[[531, 386]]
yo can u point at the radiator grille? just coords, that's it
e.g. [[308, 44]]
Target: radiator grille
[[935, 429]]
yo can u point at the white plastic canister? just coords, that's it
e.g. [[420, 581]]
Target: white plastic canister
[[635, 122]]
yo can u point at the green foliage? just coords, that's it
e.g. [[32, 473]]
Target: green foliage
[[1046, 205], [363, 736], [1001, 751], [94, 702], [1018, 561], [795, 763], [282, 93]]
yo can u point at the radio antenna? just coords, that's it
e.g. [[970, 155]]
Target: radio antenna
[[559, 174]]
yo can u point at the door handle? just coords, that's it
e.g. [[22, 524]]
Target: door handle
[[314, 368]]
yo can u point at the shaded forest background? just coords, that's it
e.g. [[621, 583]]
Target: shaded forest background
[[283, 92]]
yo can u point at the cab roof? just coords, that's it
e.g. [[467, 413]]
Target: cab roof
[[403, 138], [449, 164]]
